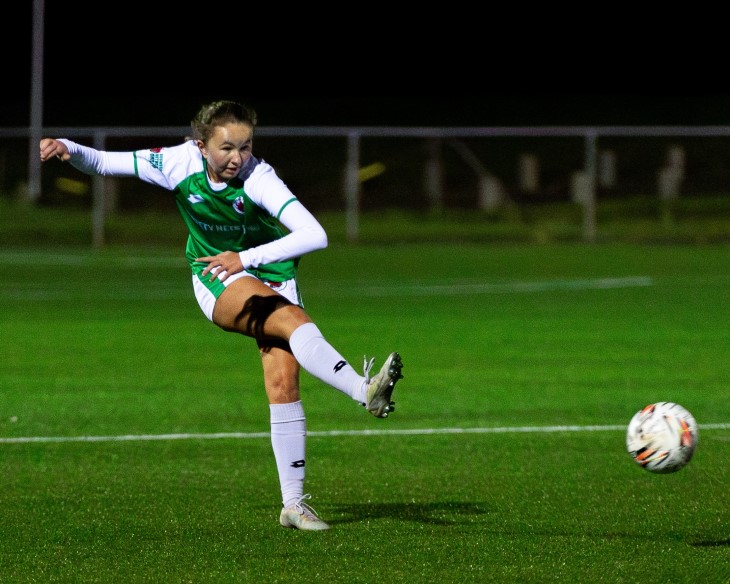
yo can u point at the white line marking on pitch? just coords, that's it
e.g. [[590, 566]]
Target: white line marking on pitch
[[508, 287], [31, 292], [327, 433]]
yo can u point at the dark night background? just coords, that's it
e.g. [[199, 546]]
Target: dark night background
[[119, 66]]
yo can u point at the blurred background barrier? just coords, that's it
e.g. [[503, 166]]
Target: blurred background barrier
[[492, 171]]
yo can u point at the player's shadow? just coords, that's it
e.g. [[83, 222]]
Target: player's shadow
[[711, 543], [449, 513]]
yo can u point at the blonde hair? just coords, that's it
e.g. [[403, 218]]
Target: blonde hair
[[218, 113]]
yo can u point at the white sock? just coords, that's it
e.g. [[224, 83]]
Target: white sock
[[320, 359], [288, 438]]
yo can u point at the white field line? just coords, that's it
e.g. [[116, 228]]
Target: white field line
[[330, 433], [35, 258], [153, 291], [507, 287]]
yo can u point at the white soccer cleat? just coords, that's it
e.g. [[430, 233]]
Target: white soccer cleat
[[380, 387], [302, 516]]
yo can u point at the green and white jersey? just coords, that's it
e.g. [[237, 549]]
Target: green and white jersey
[[255, 214], [223, 218]]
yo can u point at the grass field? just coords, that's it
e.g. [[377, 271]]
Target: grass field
[[134, 434]]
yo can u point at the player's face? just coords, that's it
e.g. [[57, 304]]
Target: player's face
[[227, 150]]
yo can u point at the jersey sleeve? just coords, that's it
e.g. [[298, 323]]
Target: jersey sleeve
[[164, 167], [167, 167], [268, 191], [97, 162]]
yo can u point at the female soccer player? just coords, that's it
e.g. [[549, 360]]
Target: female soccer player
[[247, 232]]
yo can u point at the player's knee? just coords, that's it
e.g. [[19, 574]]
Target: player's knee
[[281, 387]]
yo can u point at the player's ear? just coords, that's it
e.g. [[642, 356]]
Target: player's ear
[[201, 147]]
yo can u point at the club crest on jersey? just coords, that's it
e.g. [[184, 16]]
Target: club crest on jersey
[[238, 205]]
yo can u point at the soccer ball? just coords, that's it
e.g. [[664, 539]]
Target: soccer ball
[[662, 437]]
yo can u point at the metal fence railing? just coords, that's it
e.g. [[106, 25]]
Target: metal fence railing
[[585, 182]]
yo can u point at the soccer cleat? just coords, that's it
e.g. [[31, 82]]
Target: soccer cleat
[[380, 387], [302, 516]]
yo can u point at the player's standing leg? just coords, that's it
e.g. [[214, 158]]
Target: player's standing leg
[[288, 437]]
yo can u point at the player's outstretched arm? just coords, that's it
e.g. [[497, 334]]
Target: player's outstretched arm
[[50, 148]]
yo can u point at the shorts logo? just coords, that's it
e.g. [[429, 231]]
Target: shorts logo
[[238, 205]]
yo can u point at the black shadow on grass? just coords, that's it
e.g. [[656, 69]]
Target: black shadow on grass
[[711, 543], [453, 513]]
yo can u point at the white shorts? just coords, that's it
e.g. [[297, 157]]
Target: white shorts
[[206, 299]]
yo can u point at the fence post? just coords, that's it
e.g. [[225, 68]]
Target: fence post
[[35, 129], [529, 172], [98, 203], [434, 178], [589, 202], [352, 186]]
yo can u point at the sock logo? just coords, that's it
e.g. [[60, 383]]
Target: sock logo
[[339, 366], [297, 464]]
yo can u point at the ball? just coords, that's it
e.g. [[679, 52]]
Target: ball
[[662, 437]]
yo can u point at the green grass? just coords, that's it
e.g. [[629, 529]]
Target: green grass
[[629, 219], [110, 343]]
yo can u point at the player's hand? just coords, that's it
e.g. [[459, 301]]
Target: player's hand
[[221, 265], [51, 147]]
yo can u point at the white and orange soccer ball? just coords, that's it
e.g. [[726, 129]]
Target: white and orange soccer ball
[[662, 437]]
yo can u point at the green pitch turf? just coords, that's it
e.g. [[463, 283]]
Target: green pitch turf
[[134, 434]]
